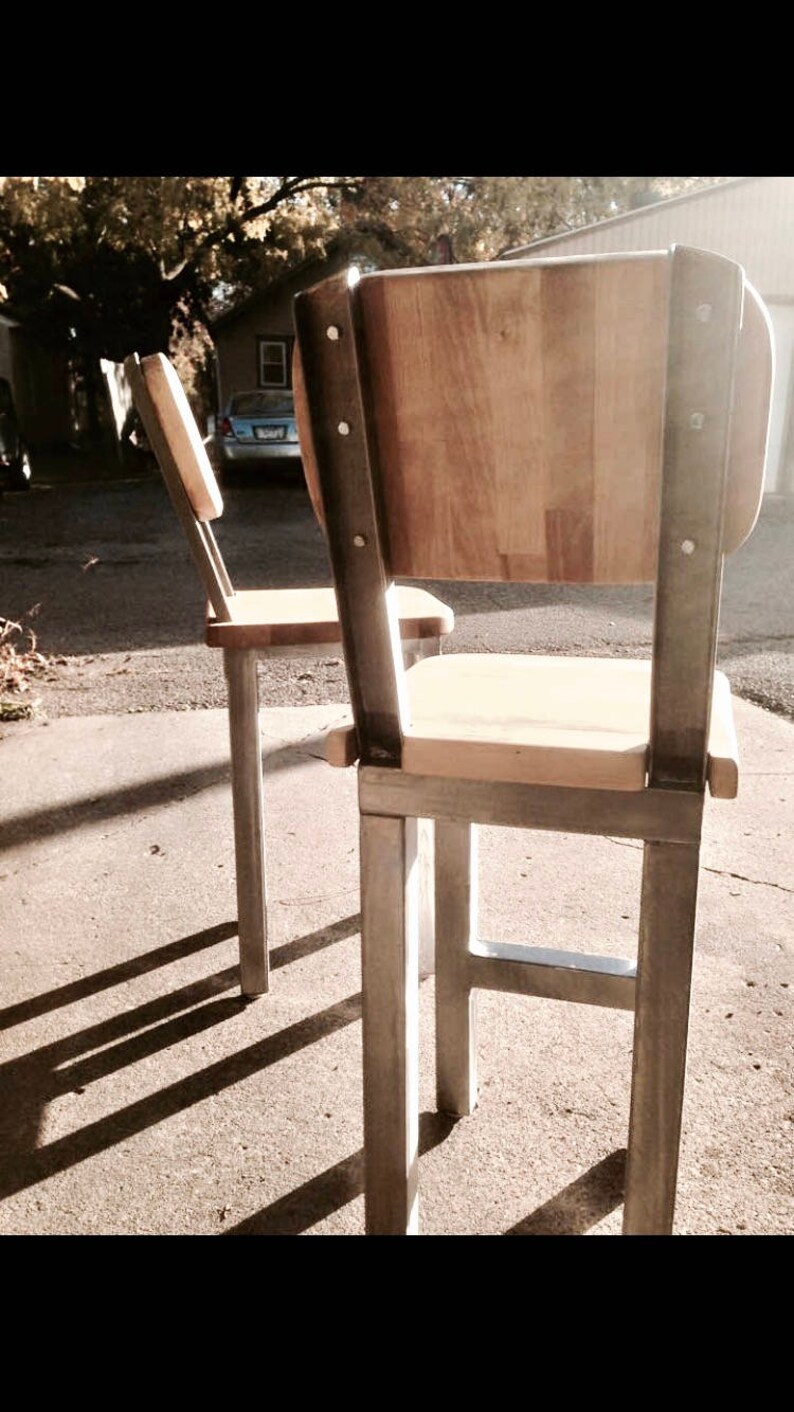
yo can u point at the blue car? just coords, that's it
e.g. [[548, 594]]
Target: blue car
[[257, 431]]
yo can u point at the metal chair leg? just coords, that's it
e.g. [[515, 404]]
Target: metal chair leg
[[425, 842], [249, 822], [456, 928], [428, 647], [667, 929], [390, 984]]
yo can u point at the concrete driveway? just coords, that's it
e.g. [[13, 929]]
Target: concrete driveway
[[141, 1095]]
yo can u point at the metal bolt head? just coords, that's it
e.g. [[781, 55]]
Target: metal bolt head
[[687, 546], [703, 313], [332, 332], [697, 421], [344, 428], [359, 540]]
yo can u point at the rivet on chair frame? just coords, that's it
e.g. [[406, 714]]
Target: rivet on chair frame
[[703, 312], [359, 540], [332, 332], [697, 421], [344, 428], [687, 546]]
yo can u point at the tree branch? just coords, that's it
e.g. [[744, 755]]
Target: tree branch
[[235, 223]]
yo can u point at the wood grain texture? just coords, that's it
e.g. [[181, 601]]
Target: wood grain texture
[[341, 746], [630, 315], [755, 372], [517, 418], [162, 413], [580, 722], [290, 617], [176, 429], [526, 373]]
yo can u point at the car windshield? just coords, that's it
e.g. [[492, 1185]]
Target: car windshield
[[261, 404]]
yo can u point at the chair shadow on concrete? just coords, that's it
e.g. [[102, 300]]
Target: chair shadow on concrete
[[572, 1211], [58, 818], [34, 1080], [100, 1050]]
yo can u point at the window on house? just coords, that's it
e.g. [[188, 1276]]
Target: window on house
[[274, 362]]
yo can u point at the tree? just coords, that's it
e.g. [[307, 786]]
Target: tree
[[105, 264]]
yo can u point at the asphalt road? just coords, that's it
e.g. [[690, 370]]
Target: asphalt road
[[105, 569]]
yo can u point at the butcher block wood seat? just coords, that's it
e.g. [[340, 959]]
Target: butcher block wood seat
[[577, 721], [301, 617]]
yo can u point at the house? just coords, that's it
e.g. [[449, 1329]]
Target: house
[[254, 342], [747, 219]]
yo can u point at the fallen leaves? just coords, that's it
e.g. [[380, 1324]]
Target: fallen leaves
[[20, 661]]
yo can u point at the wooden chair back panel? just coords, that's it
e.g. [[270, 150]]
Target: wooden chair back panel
[[176, 439], [517, 414], [755, 371], [508, 404]]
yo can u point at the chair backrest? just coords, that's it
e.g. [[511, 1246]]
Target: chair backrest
[[600, 419], [176, 441]]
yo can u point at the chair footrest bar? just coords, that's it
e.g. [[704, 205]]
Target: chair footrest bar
[[553, 975], [660, 815]]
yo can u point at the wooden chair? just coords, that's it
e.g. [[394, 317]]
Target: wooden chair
[[595, 420], [249, 623]]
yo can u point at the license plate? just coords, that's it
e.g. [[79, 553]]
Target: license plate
[[270, 433]]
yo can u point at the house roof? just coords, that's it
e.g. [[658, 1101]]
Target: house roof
[[627, 216], [297, 274]]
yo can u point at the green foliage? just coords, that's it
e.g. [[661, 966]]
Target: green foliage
[[146, 262]]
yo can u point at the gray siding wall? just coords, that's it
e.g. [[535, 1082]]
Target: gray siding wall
[[750, 220]]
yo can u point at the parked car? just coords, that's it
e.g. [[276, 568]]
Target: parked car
[[14, 459], [257, 430]]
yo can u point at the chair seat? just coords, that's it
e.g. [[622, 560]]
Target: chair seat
[[547, 720], [290, 617]]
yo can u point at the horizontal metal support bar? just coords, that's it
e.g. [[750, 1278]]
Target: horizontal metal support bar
[[553, 975], [658, 815]]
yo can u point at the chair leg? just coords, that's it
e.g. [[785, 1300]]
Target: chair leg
[[425, 842], [390, 985], [456, 928], [664, 973], [428, 647], [249, 822]]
